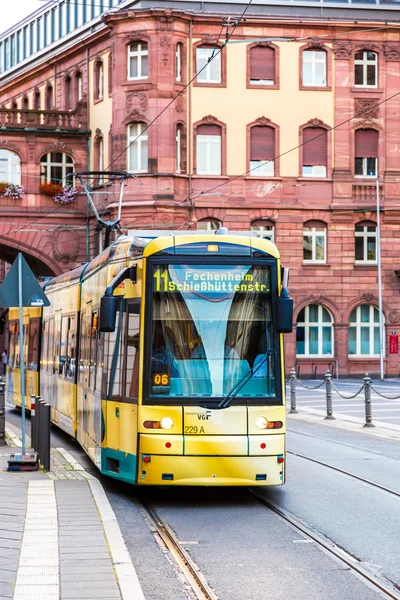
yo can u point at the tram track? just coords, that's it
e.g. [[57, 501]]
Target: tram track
[[389, 589], [189, 571], [347, 473]]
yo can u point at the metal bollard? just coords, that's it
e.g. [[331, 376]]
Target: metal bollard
[[39, 427], [46, 415], [293, 392], [2, 411], [329, 409], [367, 394]]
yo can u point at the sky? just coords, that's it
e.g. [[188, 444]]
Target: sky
[[17, 10]]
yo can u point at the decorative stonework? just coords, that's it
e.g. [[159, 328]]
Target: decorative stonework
[[366, 124], [263, 121], [315, 123], [344, 217], [165, 43], [166, 22], [136, 36], [391, 52], [316, 44], [65, 245], [366, 107], [342, 50], [210, 40], [136, 103], [367, 297], [394, 316], [179, 107], [210, 120]]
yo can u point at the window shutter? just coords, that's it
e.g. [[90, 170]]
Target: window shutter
[[262, 143], [208, 130], [262, 63], [366, 143], [315, 150]]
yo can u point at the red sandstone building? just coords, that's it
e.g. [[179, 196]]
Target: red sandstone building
[[284, 132]]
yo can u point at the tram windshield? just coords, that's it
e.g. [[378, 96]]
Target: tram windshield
[[212, 331]]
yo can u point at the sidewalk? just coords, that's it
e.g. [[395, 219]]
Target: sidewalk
[[59, 537]]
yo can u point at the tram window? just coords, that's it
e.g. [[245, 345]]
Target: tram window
[[12, 343], [33, 344], [93, 350], [70, 363], [114, 357], [63, 346], [45, 345], [51, 352], [132, 355], [83, 348], [26, 341]]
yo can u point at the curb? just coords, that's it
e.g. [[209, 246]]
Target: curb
[[15, 440], [126, 575]]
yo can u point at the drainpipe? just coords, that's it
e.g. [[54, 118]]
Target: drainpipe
[[189, 136], [88, 155]]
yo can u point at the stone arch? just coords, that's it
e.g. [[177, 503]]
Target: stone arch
[[39, 261]]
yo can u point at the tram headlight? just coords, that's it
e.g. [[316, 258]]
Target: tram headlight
[[167, 423], [262, 423]]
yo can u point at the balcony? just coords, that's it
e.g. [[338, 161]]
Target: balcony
[[366, 193], [45, 120]]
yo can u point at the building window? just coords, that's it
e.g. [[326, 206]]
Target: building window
[[179, 147], [138, 61], [110, 74], [98, 80], [36, 100], [208, 225], [208, 150], [10, 167], [366, 69], [55, 167], [364, 331], [314, 332], [68, 93], [25, 103], [314, 68], [208, 61], [366, 152], [315, 152], [178, 61], [79, 86], [262, 65], [365, 241], [314, 244], [262, 151], [49, 97], [263, 229], [138, 148]]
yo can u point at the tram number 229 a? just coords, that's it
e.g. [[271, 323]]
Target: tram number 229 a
[[193, 429], [160, 379]]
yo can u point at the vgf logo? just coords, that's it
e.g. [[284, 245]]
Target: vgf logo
[[204, 417]]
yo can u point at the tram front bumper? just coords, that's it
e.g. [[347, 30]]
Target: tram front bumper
[[211, 470]]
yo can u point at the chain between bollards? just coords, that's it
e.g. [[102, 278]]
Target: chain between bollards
[[329, 408], [293, 409], [367, 395]]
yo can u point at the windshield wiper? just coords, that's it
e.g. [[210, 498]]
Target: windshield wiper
[[225, 402]]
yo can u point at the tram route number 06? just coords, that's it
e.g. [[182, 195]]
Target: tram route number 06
[[160, 379]]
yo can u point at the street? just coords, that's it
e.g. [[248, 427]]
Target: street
[[244, 550]]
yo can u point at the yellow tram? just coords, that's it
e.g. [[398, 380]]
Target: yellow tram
[[164, 358]]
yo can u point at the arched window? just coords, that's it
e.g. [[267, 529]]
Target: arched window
[[210, 69], [178, 61], [49, 97], [208, 225], [98, 80], [364, 331], [262, 151], [25, 103], [110, 74], [10, 167], [78, 86], [138, 61], [366, 69], [366, 152], [365, 243], [315, 152], [262, 65], [263, 228], [36, 100], [180, 139], [314, 68], [55, 167], [99, 153], [314, 242], [314, 332], [138, 161], [208, 150]]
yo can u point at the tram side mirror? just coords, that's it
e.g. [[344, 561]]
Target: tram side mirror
[[285, 312], [108, 313]]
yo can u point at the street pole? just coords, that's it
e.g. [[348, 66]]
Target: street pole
[[21, 349], [378, 255]]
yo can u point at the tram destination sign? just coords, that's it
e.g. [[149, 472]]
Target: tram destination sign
[[209, 281]]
